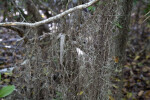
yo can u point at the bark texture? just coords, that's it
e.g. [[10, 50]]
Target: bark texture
[[80, 55]]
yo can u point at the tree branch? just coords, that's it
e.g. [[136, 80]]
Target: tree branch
[[36, 24], [19, 31], [16, 29]]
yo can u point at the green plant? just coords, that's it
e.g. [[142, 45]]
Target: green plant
[[118, 24], [6, 90]]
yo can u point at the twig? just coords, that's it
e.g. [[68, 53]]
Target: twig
[[16, 29], [147, 13], [146, 19], [36, 24]]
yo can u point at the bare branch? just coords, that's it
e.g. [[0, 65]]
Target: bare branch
[[16, 29], [19, 31], [36, 24]]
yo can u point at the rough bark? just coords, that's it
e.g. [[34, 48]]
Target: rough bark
[[79, 76], [118, 41]]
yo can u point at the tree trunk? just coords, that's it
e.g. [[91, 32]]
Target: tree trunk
[[118, 42], [81, 66]]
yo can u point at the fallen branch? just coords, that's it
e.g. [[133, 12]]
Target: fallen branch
[[36, 24]]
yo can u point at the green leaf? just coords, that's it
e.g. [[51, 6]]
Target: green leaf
[[91, 8], [5, 91], [118, 25]]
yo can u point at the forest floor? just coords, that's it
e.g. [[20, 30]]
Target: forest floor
[[137, 68]]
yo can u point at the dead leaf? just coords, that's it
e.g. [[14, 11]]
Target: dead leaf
[[80, 93], [146, 69], [147, 94], [137, 57], [111, 98], [116, 59], [140, 93]]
